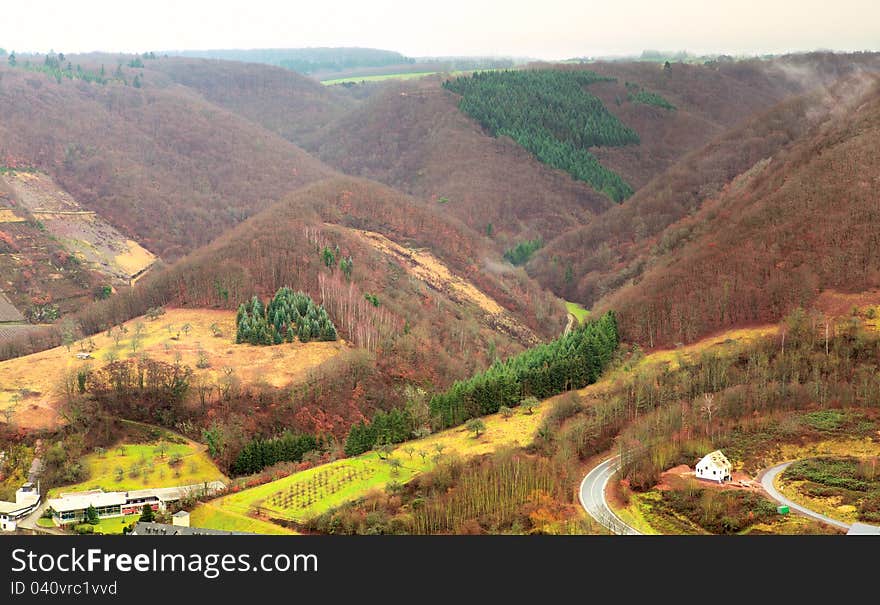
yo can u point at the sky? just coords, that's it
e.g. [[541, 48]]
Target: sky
[[545, 29]]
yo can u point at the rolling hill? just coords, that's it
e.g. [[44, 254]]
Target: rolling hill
[[159, 163], [279, 99], [413, 136], [797, 223]]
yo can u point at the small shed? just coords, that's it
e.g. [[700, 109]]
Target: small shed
[[180, 518], [714, 466]]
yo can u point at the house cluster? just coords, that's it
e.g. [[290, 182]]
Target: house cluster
[[27, 497], [71, 507]]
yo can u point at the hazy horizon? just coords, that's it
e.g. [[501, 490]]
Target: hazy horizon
[[558, 29]]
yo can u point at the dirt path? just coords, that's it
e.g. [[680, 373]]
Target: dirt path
[[568, 326]]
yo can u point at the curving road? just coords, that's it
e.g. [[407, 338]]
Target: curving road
[[592, 496], [767, 483]]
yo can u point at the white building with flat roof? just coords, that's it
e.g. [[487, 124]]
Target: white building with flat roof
[[71, 507], [27, 497]]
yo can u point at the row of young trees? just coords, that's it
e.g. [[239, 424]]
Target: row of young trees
[[260, 453], [549, 113], [287, 316], [572, 361]]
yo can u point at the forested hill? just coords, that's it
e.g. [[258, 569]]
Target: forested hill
[[158, 162], [305, 60], [551, 114], [413, 136], [281, 100], [401, 330], [801, 221]]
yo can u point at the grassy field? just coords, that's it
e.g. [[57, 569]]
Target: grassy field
[[398, 76], [725, 339], [578, 311], [114, 525], [210, 516], [647, 512], [316, 490], [379, 78], [153, 469], [40, 376]]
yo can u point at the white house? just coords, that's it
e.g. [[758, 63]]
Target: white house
[[26, 499], [714, 466], [71, 507]]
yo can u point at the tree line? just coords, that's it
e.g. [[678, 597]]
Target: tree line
[[288, 315], [550, 114], [572, 361], [260, 453]]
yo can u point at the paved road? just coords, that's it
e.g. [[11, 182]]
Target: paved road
[[592, 496], [767, 483]]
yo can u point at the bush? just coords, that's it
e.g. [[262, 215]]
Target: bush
[[84, 528]]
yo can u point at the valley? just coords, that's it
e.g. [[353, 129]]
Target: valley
[[355, 293]]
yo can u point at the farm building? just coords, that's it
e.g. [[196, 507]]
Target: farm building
[[71, 507], [26, 499], [714, 466]]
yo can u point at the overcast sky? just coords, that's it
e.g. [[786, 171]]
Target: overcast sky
[[548, 29]]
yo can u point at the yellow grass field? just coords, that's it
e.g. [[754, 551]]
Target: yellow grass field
[[210, 516], [135, 259], [333, 484], [8, 216], [164, 339], [729, 338], [153, 465]]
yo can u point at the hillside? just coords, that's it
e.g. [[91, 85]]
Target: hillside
[[594, 260], [800, 222], [281, 100], [159, 163], [412, 136], [421, 299]]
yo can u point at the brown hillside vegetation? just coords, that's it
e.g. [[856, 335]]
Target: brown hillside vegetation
[[161, 164], [416, 334], [281, 100], [709, 99], [592, 261], [801, 223], [412, 136], [37, 272]]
